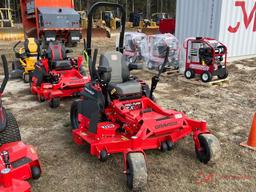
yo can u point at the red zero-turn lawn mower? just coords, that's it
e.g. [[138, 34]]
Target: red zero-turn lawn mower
[[18, 162], [116, 114], [57, 76], [206, 57]]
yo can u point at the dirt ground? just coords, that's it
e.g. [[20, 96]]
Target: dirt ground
[[228, 110]]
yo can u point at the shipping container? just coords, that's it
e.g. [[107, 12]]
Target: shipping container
[[232, 22]]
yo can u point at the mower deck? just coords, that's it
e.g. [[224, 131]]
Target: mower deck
[[22, 159], [71, 83], [146, 125]]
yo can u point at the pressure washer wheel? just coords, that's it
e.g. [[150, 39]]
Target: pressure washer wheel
[[54, 102], [210, 150], [189, 73], [206, 77], [136, 171], [11, 133], [224, 74]]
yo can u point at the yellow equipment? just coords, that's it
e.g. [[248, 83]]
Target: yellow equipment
[[26, 58], [148, 27]]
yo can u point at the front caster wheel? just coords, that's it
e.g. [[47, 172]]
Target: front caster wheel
[[36, 172], [136, 171], [103, 156], [54, 103], [164, 146], [209, 151]]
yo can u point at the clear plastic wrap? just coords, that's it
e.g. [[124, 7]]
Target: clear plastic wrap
[[135, 47], [157, 48]]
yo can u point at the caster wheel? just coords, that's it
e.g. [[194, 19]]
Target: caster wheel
[[103, 155], [54, 103], [170, 145], [36, 172], [136, 171], [189, 73], [41, 99], [164, 147], [210, 150], [206, 77]]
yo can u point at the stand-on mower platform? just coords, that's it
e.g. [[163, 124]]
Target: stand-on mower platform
[[117, 114], [58, 76], [18, 162]]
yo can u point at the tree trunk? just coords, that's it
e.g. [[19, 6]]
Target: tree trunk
[[148, 9], [132, 5]]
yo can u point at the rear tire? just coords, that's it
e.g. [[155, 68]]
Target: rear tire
[[136, 171], [74, 115], [11, 132]]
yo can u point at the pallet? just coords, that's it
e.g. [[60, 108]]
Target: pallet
[[198, 81], [168, 73]]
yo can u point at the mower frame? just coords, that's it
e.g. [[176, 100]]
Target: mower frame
[[70, 83], [131, 126]]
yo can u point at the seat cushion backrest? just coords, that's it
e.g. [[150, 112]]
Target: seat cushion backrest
[[31, 46], [120, 71], [56, 52]]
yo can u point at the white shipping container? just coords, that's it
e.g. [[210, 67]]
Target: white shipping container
[[232, 22]]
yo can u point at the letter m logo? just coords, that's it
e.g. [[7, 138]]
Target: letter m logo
[[247, 19]]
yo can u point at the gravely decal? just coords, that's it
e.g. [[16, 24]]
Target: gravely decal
[[165, 125]]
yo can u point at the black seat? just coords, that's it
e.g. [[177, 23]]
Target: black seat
[[119, 77], [57, 56]]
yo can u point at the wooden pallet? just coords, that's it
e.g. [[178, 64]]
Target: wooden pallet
[[198, 81], [168, 73]]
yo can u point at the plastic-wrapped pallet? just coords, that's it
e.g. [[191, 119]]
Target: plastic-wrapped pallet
[[157, 49], [135, 47]]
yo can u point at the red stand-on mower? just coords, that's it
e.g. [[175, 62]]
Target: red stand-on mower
[[18, 162], [57, 76], [206, 57], [117, 114]]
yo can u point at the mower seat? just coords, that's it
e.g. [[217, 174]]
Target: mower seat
[[31, 46], [62, 65], [57, 56], [119, 79]]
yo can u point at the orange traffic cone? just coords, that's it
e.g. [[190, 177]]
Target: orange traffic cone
[[251, 143]]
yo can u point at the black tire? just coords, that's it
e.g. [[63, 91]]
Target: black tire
[[164, 146], [41, 99], [210, 149], [136, 171], [206, 77], [74, 115], [103, 155], [189, 73], [36, 172], [224, 74], [12, 132], [54, 102]]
